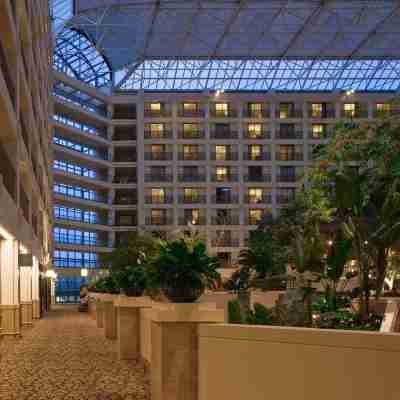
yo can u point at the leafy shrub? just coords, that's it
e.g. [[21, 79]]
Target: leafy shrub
[[106, 285], [132, 280], [260, 315], [234, 313], [348, 320]]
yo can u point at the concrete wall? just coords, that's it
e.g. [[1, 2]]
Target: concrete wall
[[260, 363]]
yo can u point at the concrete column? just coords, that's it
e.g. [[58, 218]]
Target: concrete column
[[174, 337], [35, 289], [128, 325], [9, 282], [26, 296]]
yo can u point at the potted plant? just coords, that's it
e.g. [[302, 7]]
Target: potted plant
[[183, 269], [131, 280]]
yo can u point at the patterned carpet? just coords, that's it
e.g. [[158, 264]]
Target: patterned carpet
[[65, 357]]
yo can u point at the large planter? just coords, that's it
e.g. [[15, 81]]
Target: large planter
[[182, 294]]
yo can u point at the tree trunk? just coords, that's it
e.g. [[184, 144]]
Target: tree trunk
[[381, 261], [244, 301]]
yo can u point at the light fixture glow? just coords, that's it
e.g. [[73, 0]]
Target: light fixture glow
[[6, 235], [84, 272]]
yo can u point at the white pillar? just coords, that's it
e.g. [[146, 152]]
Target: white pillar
[[9, 284], [35, 288], [26, 295]]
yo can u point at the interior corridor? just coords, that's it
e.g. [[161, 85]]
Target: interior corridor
[[66, 357]]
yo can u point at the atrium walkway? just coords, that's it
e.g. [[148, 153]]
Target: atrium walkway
[[65, 357]]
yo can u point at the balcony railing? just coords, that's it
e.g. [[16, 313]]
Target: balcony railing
[[228, 156], [126, 179], [82, 219], [253, 221], [61, 239], [164, 134], [214, 134], [195, 156], [159, 221], [287, 178], [230, 113], [257, 178], [191, 114], [158, 177], [354, 114], [224, 178], [291, 113], [257, 157], [264, 134], [294, 156], [199, 199], [124, 135], [282, 134], [123, 158], [229, 220], [123, 221], [158, 156], [264, 113], [322, 115], [168, 199], [225, 242], [125, 200], [284, 199], [192, 221], [197, 134], [264, 199], [192, 177], [163, 113], [231, 199]]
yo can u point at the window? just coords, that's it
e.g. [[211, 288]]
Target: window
[[221, 174], [75, 146], [255, 216], [383, 108], [157, 151], [254, 131], [190, 130], [317, 131], [192, 216], [221, 109], [285, 110], [220, 152], [286, 152], [255, 110], [255, 152], [190, 194], [156, 130], [73, 236], [157, 195], [74, 169], [255, 195], [223, 195], [158, 217], [316, 110], [190, 108], [155, 108], [75, 259], [349, 110], [190, 152], [75, 214], [76, 191]]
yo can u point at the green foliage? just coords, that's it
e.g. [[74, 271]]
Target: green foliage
[[260, 315], [348, 320], [132, 280], [106, 285], [180, 263], [234, 313]]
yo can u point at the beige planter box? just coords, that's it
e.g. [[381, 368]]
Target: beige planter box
[[128, 325], [174, 359], [110, 319]]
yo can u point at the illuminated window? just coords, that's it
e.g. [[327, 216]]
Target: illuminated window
[[190, 194], [317, 131], [255, 216], [316, 110], [349, 110], [255, 195], [221, 109], [254, 131], [157, 151], [255, 152], [155, 108], [221, 173], [157, 195], [220, 152], [383, 108], [255, 110], [192, 216], [157, 130], [190, 107], [284, 110], [157, 217], [190, 152]]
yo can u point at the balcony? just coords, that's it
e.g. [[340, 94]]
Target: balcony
[[65, 240], [82, 219], [191, 221], [125, 156], [199, 199], [125, 179], [257, 157], [225, 242], [124, 133], [164, 134], [264, 199], [230, 113], [225, 220], [292, 156], [163, 113], [191, 177], [126, 220], [125, 200], [124, 111], [261, 135], [228, 156], [223, 135], [159, 221], [230, 199], [195, 134], [284, 198], [199, 113], [289, 135], [257, 178], [324, 114], [291, 113], [224, 178], [158, 156], [195, 156], [167, 199], [158, 177], [287, 178], [253, 221], [259, 114]]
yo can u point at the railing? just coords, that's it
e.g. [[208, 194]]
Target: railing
[[228, 156], [125, 200], [80, 148], [264, 113], [284, 199], [257, 157], [168, 199], [230, 113], [322, 115], [131, 222], [86, 128], [163, 113], [291, 113], [161, 156], [126, 135], [63, 239], [191, 114], [199, 199], [191, 178], [223, 135], [354, 114], [224, 178], [231, 199], [125, 111], [287, 178], [295, 156], [95, 221], [98, 198], [121, 158], [264, 199], [125, 179], [229, 220], [195, 156], [158, 178], [158, 221], [264, 134], [221, 242], [164, 134], [198, 134], [282, 134], [192, 221], [257, 178]]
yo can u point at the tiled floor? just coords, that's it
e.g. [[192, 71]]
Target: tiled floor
[[65, 357]]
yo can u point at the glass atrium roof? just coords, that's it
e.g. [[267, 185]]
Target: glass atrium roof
[[276, 45]]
